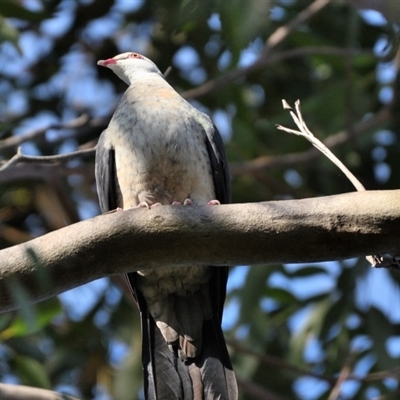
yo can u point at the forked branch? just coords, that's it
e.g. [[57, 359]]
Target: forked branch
[[382, 261]]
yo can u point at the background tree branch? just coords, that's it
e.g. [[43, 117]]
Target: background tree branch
[[14, 392], [262, 61]]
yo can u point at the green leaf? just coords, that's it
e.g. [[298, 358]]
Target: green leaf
[[281, 295], [311, 328], [242, 22], [39, 317], [13, 9], [8, 33], [5, 321], [380, 329], [31, 372], [308, 271]]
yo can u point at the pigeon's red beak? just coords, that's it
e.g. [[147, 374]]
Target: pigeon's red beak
[[106, 63]]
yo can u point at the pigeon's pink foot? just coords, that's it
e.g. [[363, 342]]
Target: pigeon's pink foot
[[155, 205], [214, 203], [187, 202], [143, 204], [119, 209]]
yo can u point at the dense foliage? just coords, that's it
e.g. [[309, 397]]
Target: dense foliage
[[304, 332]]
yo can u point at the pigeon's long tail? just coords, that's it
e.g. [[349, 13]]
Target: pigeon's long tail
[[208, 376]]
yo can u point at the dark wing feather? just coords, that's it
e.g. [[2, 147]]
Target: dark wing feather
[[219, 164], [165, 375], [222, 187], [106, 179], [218, 376]]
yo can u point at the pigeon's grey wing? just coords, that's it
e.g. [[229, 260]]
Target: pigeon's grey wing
[[222, 187], [106, 180], [219, 164], [215, 365]]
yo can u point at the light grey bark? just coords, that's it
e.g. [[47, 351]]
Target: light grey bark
[[308, 230]]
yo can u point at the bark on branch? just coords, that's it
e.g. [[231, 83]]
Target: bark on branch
[[308, 230]]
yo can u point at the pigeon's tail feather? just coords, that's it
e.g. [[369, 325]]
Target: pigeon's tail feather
[[166, 376], [206, 377], [218, 378], [172, 375]]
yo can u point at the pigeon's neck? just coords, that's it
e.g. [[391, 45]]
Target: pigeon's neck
[[152, 81], [132, 76]]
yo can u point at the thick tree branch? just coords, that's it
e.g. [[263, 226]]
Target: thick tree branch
[[308, 230]]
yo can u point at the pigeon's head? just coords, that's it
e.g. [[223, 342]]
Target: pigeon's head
[[128, 66]]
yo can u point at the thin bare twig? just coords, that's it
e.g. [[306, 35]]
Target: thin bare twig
[[277, 362], [335, 140], [58, 158], [283, 31], [256, 391], [44, 172], [313, 50], [387, 261], [306, 133], [79, 122], [344, 374], [378, 376]]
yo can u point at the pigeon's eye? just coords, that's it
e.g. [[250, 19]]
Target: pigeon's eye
[[135, 55]]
